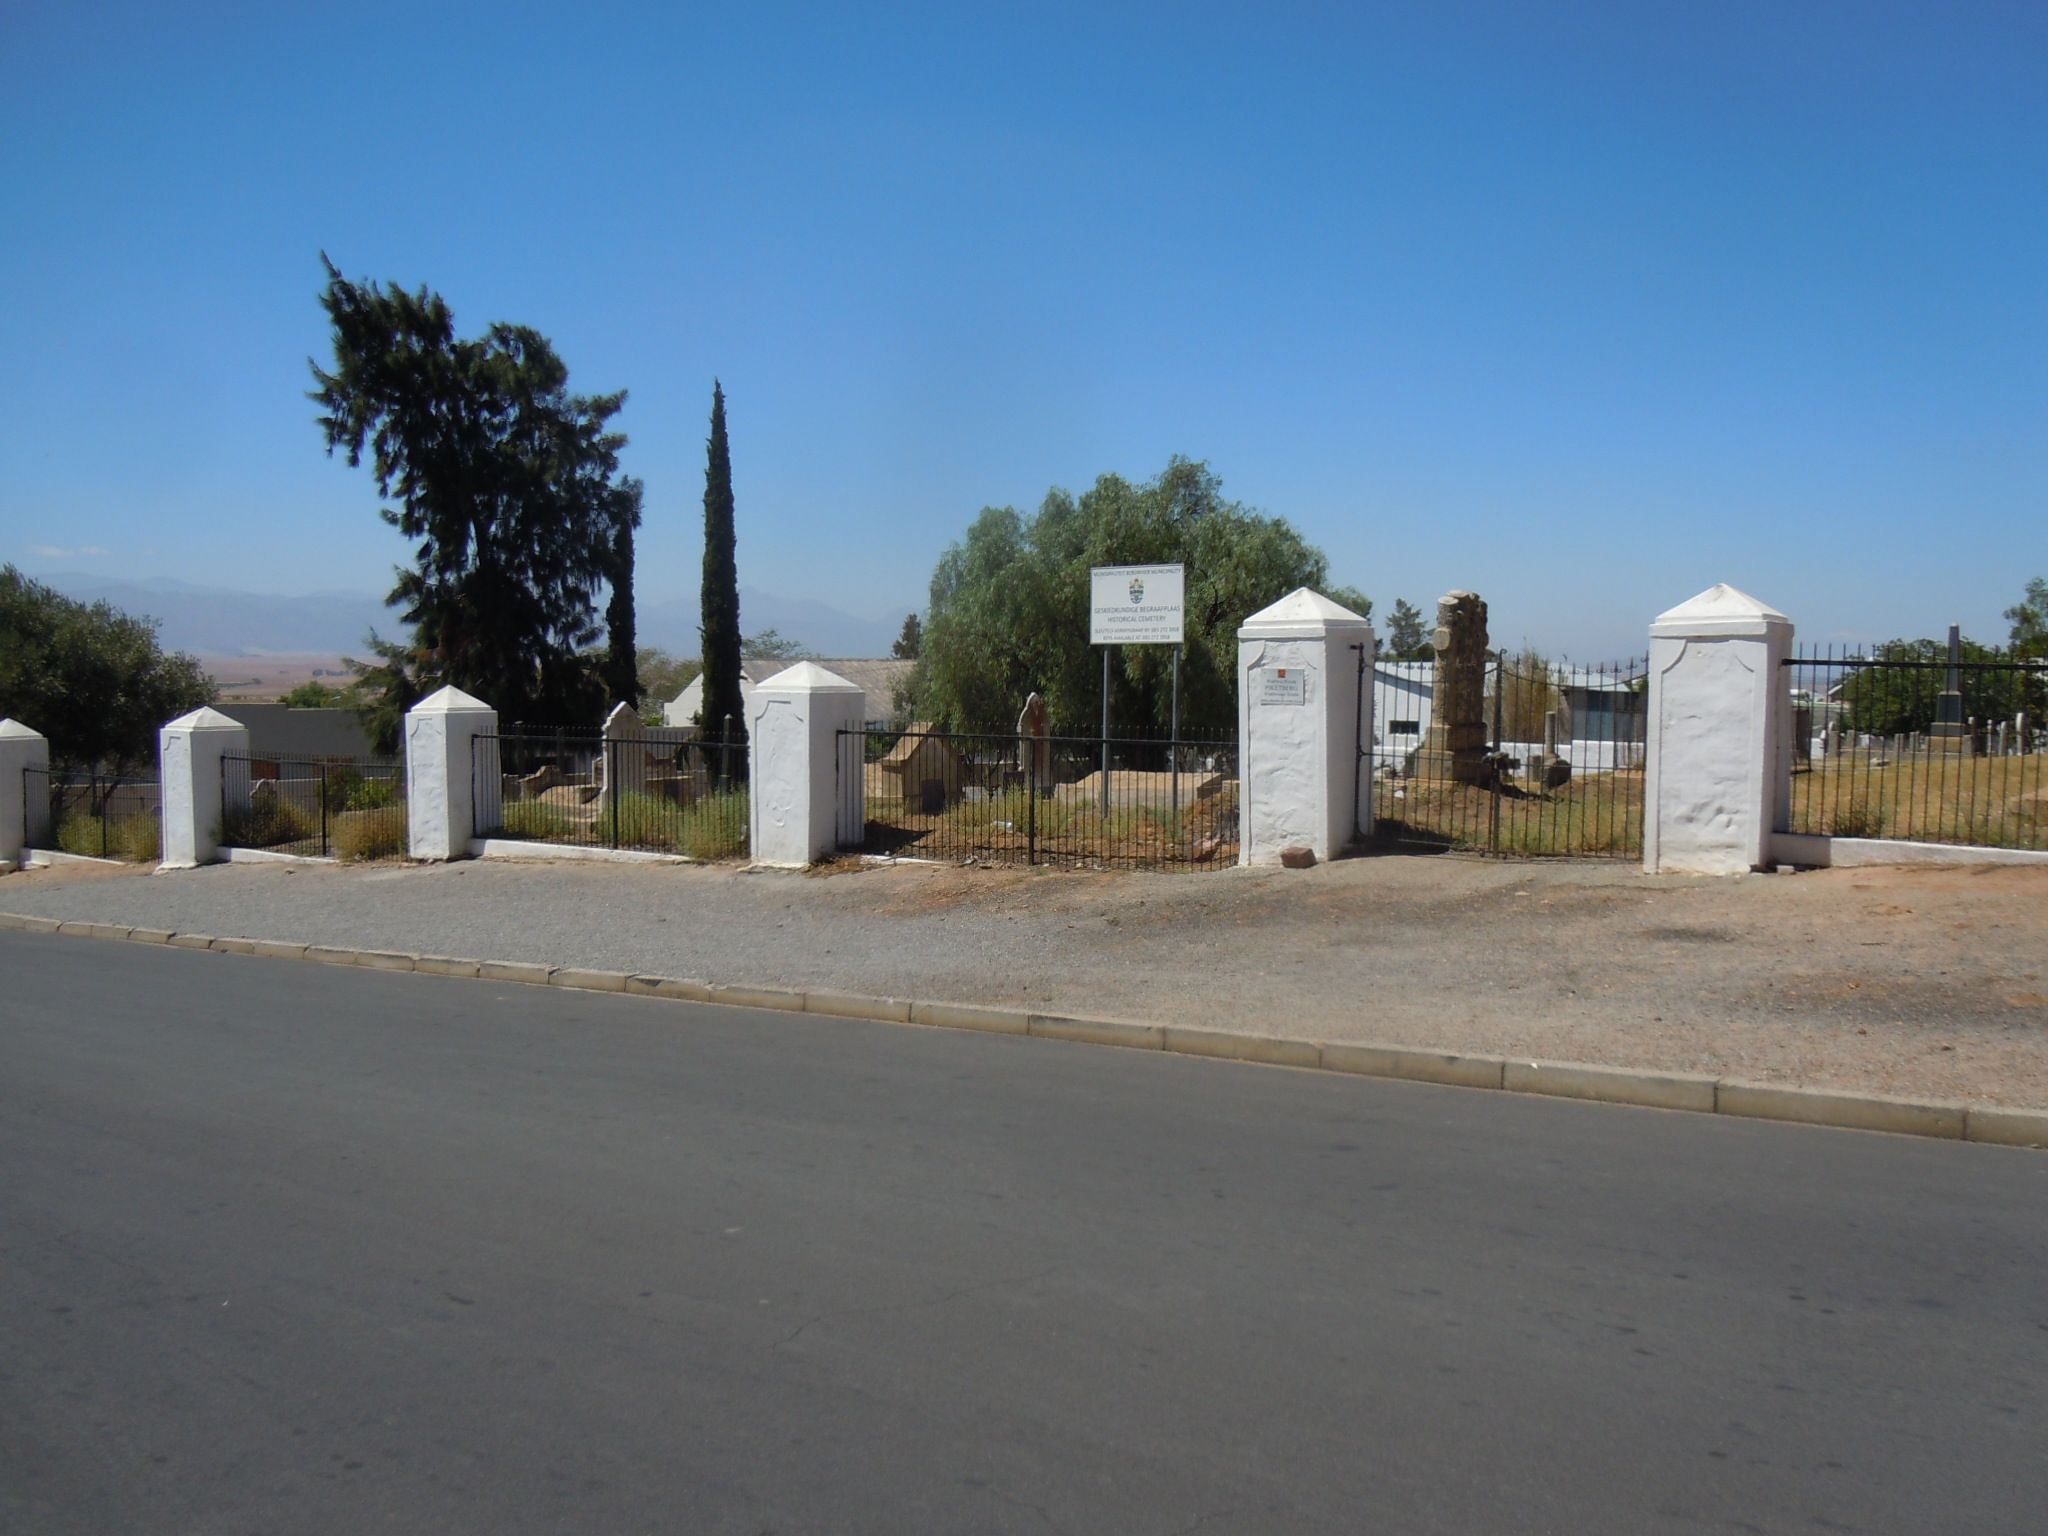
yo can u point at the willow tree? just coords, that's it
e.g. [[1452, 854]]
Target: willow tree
[[1009, 604], [506, 485]]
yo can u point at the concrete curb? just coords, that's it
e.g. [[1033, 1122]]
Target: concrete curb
[[1689, 1092]]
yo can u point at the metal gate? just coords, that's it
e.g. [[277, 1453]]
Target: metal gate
[[1554, 767], [350, 808]]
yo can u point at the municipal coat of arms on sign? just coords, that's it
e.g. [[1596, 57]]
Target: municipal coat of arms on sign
[[1137, 589]]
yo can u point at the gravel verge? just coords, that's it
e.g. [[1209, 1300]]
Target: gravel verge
[[1916, 982]]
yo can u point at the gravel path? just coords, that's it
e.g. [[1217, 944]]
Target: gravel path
[[1916, 981]]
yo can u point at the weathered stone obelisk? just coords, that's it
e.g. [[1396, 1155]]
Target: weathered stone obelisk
[[1950, 733], [1455, 747]]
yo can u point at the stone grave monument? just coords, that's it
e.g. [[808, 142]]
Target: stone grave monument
[[1455, 748]]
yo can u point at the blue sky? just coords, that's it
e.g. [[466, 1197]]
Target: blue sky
[[1582, 306]]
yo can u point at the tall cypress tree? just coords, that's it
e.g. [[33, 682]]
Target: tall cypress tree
[[720, 621], [622, 656]]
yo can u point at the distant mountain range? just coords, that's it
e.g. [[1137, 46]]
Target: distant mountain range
[[217, 621]]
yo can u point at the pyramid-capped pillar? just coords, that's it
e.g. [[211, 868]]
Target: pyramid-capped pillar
[[24, 790], [451, 773], [1718, 759], [1302, 711], [804, 764], [190, 752]]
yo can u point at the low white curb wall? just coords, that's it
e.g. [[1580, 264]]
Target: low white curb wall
[[514, 848], [1860, 852]]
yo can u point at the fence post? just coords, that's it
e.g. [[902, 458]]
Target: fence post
[[1299, 726], [22, 826], [189, 753], [796, 800], [1031, 805], [440, 812], [1718, 765]]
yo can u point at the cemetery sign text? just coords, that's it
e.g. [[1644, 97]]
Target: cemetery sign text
[[1137, 604]]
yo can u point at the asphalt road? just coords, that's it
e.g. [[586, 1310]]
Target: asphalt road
[[287, 1248]]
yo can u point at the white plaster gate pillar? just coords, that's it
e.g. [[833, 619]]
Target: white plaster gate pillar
[[189, 751], [24, 789], [794, 796], [440, 779], [1718, 768], [1299, 725]]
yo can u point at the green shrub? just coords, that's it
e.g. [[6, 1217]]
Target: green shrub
[[348, 788]]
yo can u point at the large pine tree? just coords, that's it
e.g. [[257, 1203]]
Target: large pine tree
[[720, 619], [506, 486]]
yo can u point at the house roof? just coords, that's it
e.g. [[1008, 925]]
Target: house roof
[[876, 676], [908, 743]]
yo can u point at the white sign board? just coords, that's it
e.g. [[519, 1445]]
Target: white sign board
[[1136, 604], [1283, 685]]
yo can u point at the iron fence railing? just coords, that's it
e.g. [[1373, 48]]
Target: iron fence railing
[[1552, 766], [97, 814], [1899, 741], [1073, 801], [326, 808], [662, 792]]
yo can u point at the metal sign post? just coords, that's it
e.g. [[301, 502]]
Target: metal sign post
[[1138, 605], [1173, 742], [1105, 731]]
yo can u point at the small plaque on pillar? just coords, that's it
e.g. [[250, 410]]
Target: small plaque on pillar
[[1283, 685]]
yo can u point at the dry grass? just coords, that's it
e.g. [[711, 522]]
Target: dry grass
[[135, 838], [711, 828], [1595, 814], [1927, 797], [1065, 829], [378, 834]]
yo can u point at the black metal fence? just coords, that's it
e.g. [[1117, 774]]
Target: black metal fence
[[1071, 801], [1904, 742], [1551, 766], [339, 808], [99, 815], [664, 792]]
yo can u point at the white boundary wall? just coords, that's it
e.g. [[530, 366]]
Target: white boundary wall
[[1300, 782], [794, 796]]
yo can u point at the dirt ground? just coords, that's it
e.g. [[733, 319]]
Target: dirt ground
[[1919, 981]]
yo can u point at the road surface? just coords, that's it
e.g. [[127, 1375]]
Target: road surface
[[290, 1248]]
